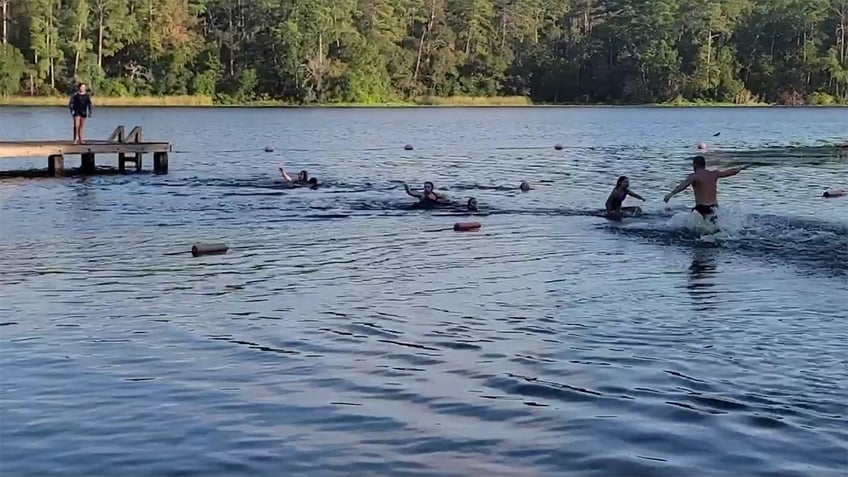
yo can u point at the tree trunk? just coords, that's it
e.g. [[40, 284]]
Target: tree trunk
[[100, 40], [50, 44], [230, 47], [77, 54], [423, 35], [5, 5]]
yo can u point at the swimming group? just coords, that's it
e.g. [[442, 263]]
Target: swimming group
[[428, 198], [703, 181]]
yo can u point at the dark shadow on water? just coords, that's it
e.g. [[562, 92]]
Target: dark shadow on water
[[69, 172], [702, 271], [818, 247]]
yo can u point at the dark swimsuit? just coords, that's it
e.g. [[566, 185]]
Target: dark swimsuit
[[618, 200], [616, 211], [80, 105], [706, 211]]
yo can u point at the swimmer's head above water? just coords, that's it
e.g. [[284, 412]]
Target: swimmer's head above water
[[525, 186], [472, 205], [303, 176], [622, 182], [428, 187]]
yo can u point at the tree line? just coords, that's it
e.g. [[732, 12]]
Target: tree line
[[370, 51]]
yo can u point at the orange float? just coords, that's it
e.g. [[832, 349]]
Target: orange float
[[466, 226]]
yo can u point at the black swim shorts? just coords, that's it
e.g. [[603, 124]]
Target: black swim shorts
[[706, 211]]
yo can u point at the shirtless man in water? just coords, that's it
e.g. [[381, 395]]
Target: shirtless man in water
[[704, 184]]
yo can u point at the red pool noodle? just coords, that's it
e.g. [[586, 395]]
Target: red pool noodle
[[466, 226]]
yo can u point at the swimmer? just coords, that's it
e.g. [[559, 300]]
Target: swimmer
[[704, 184], [524, 186], [613, 206], [472, 205], [301, 180], [429, 197]]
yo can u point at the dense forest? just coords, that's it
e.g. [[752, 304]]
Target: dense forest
[[367, 51]]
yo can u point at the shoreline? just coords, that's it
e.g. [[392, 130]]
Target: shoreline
[[424, 102]]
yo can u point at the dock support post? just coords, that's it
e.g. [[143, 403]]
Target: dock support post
[[160, 162], [134, 158], [55, 165], [87, 164]]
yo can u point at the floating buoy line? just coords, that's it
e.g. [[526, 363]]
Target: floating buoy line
[[407, 147]]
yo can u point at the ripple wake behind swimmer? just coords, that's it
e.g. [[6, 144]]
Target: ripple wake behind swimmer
[[819, 246]]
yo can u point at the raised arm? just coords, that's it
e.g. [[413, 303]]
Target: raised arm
[[285, 176], [417, 195], [633, 194], [732, 172], [680, 187]]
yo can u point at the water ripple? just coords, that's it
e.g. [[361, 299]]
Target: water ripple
[[345, 333]]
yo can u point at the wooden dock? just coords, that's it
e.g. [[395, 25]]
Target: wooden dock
[[130, 149]]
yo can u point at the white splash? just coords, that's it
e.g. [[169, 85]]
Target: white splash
[[728, 224]]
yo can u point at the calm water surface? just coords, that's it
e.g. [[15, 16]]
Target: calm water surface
[[344, 334]]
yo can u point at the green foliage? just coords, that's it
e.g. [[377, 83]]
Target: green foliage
[[376, 51], [821, 99], [12, 68]]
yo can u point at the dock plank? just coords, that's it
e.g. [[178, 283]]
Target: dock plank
[[49, 148]]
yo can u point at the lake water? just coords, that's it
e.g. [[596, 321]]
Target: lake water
[[344, 334]]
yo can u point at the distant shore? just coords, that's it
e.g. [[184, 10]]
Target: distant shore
[[424, 101]]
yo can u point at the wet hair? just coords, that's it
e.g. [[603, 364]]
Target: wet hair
[[699, 162], [620, 180], [524, 186], [302, 175], [313, 181], [431, 185], [472, 203]]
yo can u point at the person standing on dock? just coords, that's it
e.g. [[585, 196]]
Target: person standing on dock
[[80, 106]]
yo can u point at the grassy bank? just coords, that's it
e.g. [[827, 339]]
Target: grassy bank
[[195, 101], [139, 101], [425, 101]]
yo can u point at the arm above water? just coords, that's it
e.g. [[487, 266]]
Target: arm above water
[[285, 176], [680, 187], [417, 195], [732, 172], [633, 194]]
